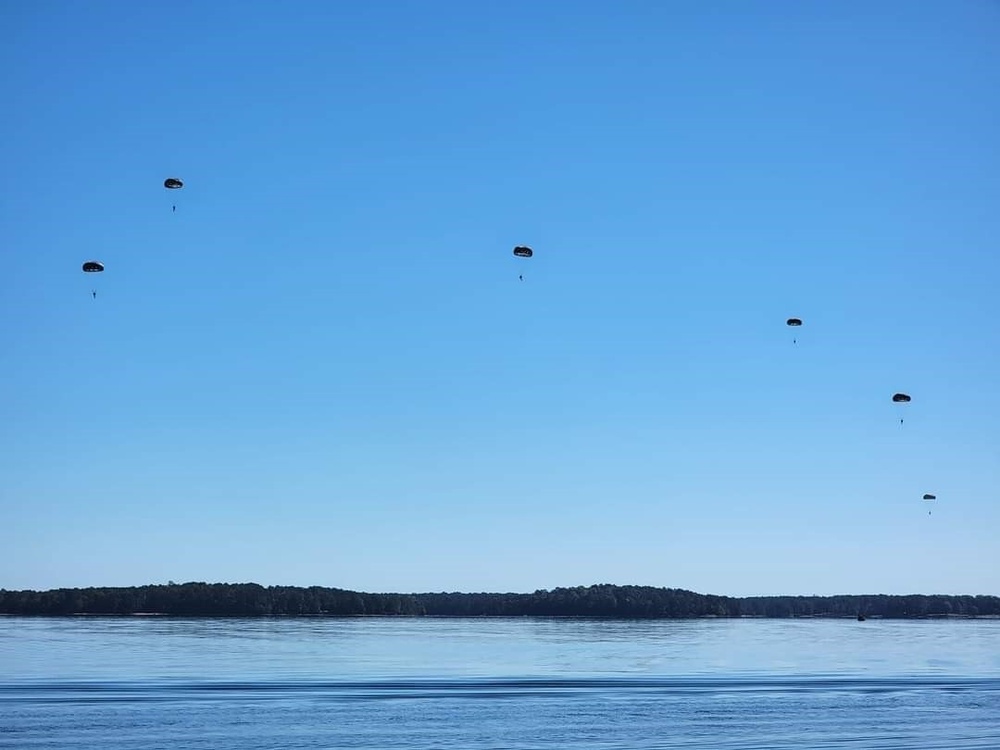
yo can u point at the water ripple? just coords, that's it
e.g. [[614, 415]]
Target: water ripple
[[47, 691]]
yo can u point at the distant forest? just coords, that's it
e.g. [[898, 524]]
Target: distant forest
[[607, 601]]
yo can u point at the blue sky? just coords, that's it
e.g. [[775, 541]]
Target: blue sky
[[323, 369]]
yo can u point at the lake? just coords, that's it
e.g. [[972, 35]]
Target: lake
[[421, 683]]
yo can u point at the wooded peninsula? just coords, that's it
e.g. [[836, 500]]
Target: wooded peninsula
[[605, 600]]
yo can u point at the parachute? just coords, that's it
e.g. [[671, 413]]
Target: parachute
[[901, 398], [930, 498], [93, 266], [523, 251], [173, 183], [794, 323]]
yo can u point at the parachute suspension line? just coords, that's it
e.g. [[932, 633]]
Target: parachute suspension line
[[523, 251], [173, 183], [901, 398], [794, 323]]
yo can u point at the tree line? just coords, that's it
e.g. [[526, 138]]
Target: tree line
[[605, 600]]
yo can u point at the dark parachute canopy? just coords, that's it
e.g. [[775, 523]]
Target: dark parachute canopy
[[930, 497], [173, 183], [521, 251]]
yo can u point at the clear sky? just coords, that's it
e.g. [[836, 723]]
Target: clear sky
[[322, 369]]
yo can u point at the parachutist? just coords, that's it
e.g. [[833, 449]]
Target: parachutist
[[794, 323], [93, 266], [523, 251], [173, 183], [901, 398]]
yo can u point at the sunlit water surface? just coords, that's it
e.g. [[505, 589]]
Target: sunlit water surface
[[411, 684]]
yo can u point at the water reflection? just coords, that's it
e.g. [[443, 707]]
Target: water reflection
[[96, 647], [423, 684]]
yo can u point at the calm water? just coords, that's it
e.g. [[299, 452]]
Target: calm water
[[412, 684]]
